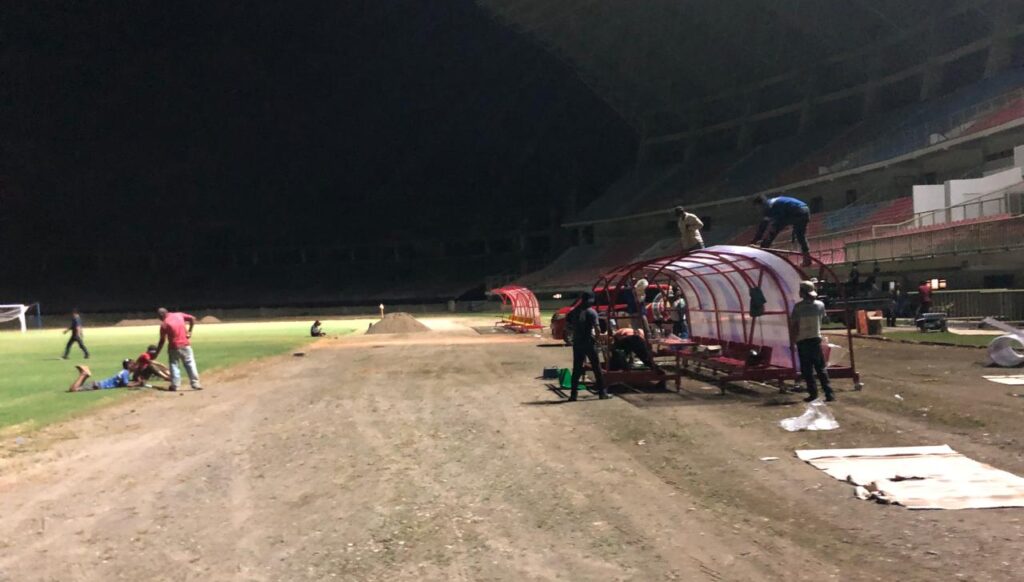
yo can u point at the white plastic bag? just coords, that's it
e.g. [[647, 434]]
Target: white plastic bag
[[816, 417], [836, 354]]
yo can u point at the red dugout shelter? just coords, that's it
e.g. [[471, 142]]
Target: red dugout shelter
[[520, 309], [739, 298]]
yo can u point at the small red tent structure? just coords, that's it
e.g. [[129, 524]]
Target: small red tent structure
[[520, 309]]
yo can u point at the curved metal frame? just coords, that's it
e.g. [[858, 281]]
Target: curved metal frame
[[724, 262], [521, 306]]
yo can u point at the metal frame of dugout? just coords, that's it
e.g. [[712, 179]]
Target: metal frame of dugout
[[520, 310], [727, 339]]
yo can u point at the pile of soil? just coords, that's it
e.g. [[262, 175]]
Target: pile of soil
[[399, 322], [209, 319], [137, 322]]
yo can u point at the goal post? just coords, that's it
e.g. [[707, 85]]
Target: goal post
[[12, 312]]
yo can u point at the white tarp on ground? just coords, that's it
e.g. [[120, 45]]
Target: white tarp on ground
[[1008, 380], [934, 477]]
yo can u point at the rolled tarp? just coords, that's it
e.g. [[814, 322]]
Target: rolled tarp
[[1007, 351]]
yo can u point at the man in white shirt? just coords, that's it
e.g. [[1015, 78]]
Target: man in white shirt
[[689, 229], [805, 327]]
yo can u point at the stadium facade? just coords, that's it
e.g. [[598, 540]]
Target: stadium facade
[[899, 123]]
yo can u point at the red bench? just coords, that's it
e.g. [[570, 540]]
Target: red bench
[[734, 362]]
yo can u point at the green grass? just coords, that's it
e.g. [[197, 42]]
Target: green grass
[[943, 337], [34, 380]]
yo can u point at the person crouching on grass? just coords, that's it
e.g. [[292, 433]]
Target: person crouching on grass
[[316, 331], [146, 366], [122, 379], [805, 327]]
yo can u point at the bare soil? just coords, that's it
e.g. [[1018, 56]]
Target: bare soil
[[137, 322], [442, 457], [399, 322]]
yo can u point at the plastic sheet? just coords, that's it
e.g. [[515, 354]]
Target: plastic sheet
[[836, 355], [1007, 351], [817, 416]]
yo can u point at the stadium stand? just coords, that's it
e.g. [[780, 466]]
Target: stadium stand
[[579, 267], [878, 226], [973, 109], [991, 103]]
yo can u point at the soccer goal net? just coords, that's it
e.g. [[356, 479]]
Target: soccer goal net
[[12, 313]]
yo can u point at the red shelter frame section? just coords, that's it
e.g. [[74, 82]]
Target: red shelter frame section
[[520, 309], [717, 283]]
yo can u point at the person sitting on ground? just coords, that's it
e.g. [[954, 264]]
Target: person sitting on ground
[[146, 366], [630, 342], [689, 230], [780, 212], [315, 331], [122, 379], [805, 326]]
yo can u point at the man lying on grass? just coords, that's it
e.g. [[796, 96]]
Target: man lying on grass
[[122, 379]]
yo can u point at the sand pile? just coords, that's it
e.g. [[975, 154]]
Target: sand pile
[[209, 319], [137, 322], [397, 323]]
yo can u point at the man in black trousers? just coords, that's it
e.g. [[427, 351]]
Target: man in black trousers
[[805, 326], [76, 334], [584, 320]]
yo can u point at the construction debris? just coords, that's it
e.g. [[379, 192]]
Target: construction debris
[[817, 416], [934, 477]]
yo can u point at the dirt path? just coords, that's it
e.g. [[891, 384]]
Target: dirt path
[[441, 457]]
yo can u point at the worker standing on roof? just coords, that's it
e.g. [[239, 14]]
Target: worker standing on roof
[[584, 320], [689, 229], [805, 327], [780, 212]]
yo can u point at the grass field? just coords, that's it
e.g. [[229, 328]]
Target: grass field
[[33, 378], [942, 337]]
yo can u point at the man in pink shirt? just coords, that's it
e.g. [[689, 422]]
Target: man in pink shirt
[[179, 348]]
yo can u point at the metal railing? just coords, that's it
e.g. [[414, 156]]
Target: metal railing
[[1007, 303], [1008, 201], [970, 237]]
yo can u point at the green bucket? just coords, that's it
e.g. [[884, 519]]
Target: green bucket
[[565, 378]]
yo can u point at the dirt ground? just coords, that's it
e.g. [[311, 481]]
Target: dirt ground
[[441, 456]]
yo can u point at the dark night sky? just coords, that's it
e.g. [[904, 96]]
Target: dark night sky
[[253, 122]]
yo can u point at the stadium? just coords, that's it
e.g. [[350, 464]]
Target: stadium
[[512, 290]]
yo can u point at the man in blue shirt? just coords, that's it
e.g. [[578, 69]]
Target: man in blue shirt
[[76, 334], [585, 324], [122, 379], [780, 212]]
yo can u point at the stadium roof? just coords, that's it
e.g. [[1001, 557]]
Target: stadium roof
[[674, 64]]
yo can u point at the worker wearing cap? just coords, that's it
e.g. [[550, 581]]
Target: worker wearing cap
[[805, 327], [583, 318]]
